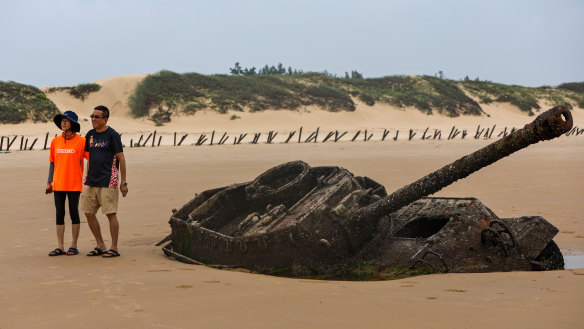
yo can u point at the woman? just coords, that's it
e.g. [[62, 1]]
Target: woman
[[66, 177]]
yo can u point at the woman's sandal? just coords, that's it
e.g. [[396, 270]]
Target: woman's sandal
[[96, 252], [57, 252], [72, 251], [111, 253]]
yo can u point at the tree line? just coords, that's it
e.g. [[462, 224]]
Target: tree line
[[238, 70]]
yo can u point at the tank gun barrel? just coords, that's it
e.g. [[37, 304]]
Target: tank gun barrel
[[548, 125]]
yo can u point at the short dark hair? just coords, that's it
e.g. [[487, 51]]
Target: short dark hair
[[104, 109]]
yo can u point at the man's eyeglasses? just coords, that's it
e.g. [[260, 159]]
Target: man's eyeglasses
[[93, 116]]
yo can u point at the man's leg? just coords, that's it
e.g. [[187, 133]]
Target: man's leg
[[114, 229], [90, 205], [110, 208], [96, 230]]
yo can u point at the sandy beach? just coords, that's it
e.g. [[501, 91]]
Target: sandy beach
[[145, 289]]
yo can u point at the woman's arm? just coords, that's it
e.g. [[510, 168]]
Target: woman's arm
[[50, 179]]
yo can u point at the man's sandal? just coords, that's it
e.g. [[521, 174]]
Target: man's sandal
[[96, 252], [57, 252], [72, 251], [111, 253]]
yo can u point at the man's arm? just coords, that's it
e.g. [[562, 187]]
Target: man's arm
[[122, 160]]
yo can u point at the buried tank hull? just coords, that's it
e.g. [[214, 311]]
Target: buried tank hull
[[238, 226], [297, 219]]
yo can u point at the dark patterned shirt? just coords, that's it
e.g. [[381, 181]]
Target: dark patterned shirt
[[103, 165]]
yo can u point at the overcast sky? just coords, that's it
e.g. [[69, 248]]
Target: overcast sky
[[68, 42]]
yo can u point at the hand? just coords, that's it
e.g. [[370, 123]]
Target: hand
[[124, 190], [49, 189]]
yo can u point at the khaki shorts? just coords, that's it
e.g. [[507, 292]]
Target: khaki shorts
[[92, 198]]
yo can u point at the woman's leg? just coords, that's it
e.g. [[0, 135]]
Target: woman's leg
[[60, 216], [74, 214]]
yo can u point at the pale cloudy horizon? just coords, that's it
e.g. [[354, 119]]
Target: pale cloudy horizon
[[68, 42]]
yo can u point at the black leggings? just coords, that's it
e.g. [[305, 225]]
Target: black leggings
[[73, 206]]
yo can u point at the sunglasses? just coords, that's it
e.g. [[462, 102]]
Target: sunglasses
[[93, 116]]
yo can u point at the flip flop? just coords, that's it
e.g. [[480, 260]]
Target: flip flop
[[111, 253], [96, 252], [72, 251], [57, 252]]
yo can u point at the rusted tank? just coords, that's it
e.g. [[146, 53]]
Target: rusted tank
[[296, 219]]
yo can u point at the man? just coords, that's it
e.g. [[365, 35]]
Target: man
[[106, 163]]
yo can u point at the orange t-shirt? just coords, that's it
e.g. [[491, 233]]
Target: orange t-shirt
[[68, 155]]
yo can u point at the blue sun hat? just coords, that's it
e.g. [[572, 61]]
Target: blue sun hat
[[75, 127]]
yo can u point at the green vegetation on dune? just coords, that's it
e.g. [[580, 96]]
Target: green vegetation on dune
[[425, 93], [575, 91], [573, 86], [169, 92], [164, 89], [80, 91], [160, 96], [526, 99], [165, 93], [19, 102]]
